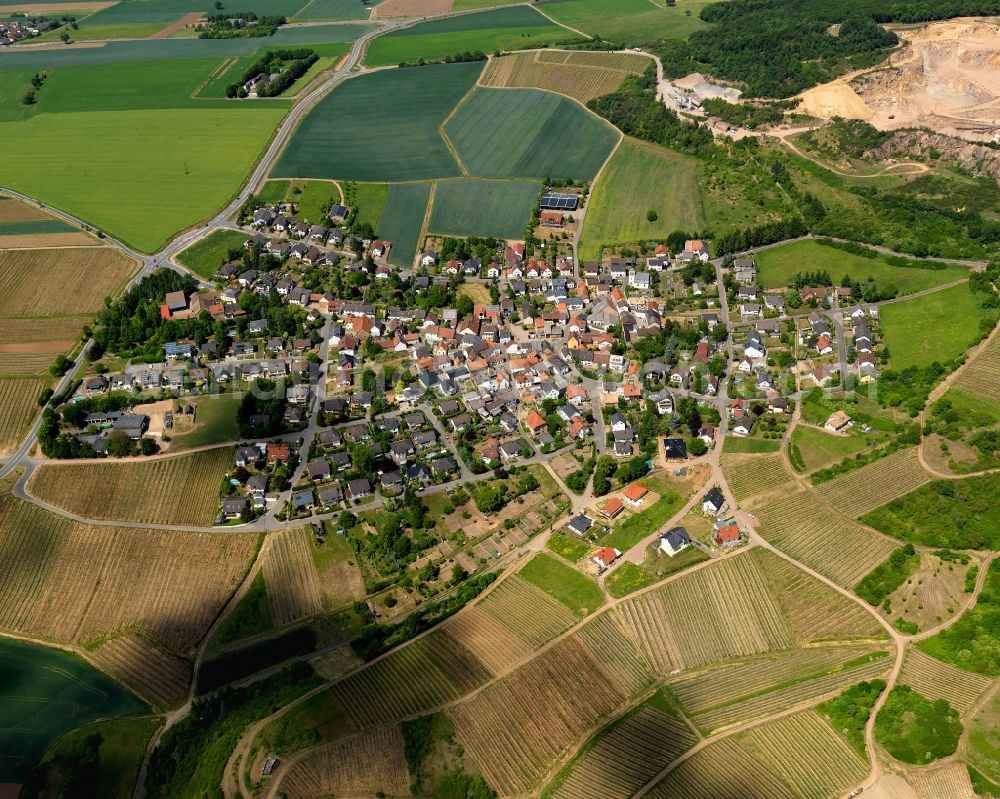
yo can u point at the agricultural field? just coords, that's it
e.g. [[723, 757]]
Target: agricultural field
[[981, 374], [526, 611], [580, 75], [779, 265], [489, 640], [937, 680], [170, 490], [950, 781], [630, 186], [633, 21], [345, 135], [935, 327], [473, 207], [204, 257], [340, 579], [799, 757], [935, 592], [402, 219], [84, 277], [861, 490], [506, 133], [983, 740], [161, 678], [30, 345], [809, 532], [566, 585], [515, 728], [72, 693], [368, 764], [638, 745], [75, 582], [502, 29], [215, 423], [24, 225], [18, 396], [752, 477], [333, 10], [293, 588]]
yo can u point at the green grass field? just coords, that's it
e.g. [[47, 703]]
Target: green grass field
[[348, 135], [140, 175], [402, 218], [216, 423], [45, 693], [368, 199], [779, 265], [819, 448], [334, 9], [935, 327], [501, 29], [273, 191], [750, 445], [35, 226], [503, 133], [628, 22], [310, 196], [576, 591], [634, 182], [639, 525], [206, 256], [120, 755], [472, 207]]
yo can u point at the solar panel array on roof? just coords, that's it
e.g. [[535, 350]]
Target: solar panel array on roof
[[559, 202]]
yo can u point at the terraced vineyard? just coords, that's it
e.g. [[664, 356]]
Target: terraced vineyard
[[713, 614], [18, 398], [862, 490], [293, 589], [812, 534], [950, 781], [174, 490], [936, 680], [636, 746], [527, 611], [151, 672], [367, 764], [608, 643], [782, 698], [798, 757], [515, 728], [981, 374], [580, 75], [751, 476], [489, 640], [76, 582]]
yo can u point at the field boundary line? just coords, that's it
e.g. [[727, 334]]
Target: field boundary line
[[586, 36], [426, 221], [441, 127], [590, 196]]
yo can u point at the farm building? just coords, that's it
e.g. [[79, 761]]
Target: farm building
[[555, 201], [551, 219]]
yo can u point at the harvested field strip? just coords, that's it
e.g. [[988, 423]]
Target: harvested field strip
[[173, 490], [41, 241], [616, 653], [486, 638], [18, 398], [813, 760], [782, 698], [75, 582], [724, 769], [80, 279], [582, 76], [527, 611], [457, 662], [515, 728], [951, 781], [368, 764], [152, 673], [405, 682], [728, 683], [835, 547], [638, 747], [937, 680], [290, 575], [871, 486], [750, 476], [12, 210], [716, 613], [816, 612], [981, 375]]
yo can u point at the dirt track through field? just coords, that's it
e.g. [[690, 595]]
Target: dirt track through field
[[411, 8], [179, 25]]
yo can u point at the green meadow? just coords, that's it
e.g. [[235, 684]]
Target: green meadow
[[528, 133], [402, 218], [334, 9], [639, 178], [516, 28], [474, 207], [204, 257], [45, 693], [352, 134], [628, 22]]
